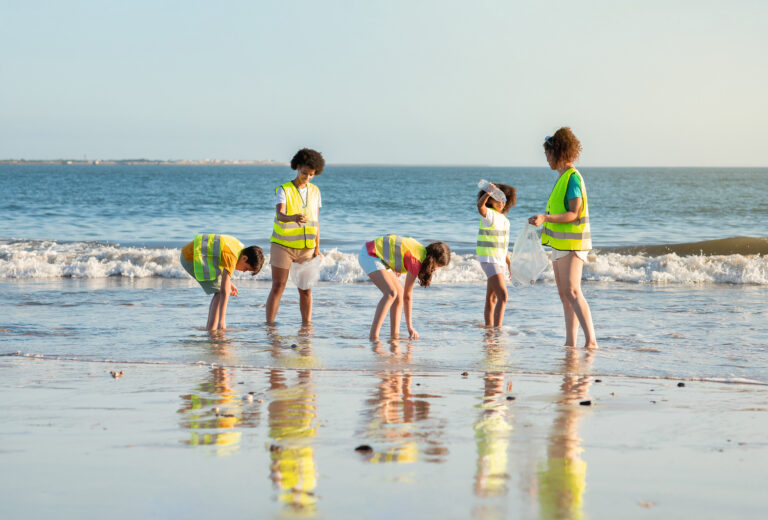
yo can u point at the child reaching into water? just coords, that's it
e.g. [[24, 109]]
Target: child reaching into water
[[389, 254], [212, 260], [492, 246]]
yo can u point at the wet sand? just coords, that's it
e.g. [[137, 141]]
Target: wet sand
[[184, 440]]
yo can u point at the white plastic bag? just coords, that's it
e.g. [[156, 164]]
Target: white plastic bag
[[528, 258], [306, 275]]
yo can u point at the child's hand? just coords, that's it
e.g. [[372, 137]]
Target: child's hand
[[233, 290], [536, 220], [300, 218], [412, 334]]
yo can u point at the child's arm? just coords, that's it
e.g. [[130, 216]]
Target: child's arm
[[509, 266], [481, 203], [408, 305], [227, 288], [282, 217]]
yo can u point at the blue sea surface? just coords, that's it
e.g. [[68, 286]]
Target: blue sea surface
[[156, 205]]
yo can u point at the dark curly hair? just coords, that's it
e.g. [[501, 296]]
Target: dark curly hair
[[310, 158], [255, 258], [509, 191], [438, 255], [563, 146]]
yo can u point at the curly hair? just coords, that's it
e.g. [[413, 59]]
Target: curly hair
[[310, 158], [438, 255], [563, 146], [255, 258], [509, 191]]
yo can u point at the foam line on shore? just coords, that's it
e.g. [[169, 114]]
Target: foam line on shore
[[34, 260]]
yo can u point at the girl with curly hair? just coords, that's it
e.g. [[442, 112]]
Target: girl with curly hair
[[296, 230], [567, 232]]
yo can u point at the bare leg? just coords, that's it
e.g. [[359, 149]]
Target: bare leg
[[213, 313], [568, 276], [490, 305], [385, 282], [571, 325], [279, 279], [305, 306], [395, 311], [497, 285]]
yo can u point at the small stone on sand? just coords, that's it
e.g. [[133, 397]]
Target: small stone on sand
[[465, 373], [680, 385], [364, 448], [294, 345], [598, 380], [586, 403], [510, 398]]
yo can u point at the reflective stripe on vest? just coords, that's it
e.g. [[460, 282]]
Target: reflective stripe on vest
[[490, 241], [571, 236], [206, 256], [392, 248], [294, 234]]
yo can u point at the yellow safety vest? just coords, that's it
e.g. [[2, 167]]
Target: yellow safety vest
[[492, 241], [294, 234], [206, 254], [392, 248], [573, 236]]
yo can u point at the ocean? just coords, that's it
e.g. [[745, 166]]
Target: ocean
[[89, 267]]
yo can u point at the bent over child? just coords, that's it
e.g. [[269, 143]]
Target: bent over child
[[492, 246], [212, 260], [384, 256]]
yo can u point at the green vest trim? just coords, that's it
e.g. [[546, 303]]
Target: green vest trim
[[293, 234], [571, 236], [206, 257]]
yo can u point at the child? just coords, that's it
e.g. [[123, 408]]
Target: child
[[567, 231], [212, 260], [492, 245], [399, 255], [296, 230]]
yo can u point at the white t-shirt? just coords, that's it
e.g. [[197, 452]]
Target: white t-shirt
[[280, 196], [499, 222]]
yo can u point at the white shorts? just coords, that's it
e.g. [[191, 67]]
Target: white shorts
[[369, 263], [492, 269], [557, 254]]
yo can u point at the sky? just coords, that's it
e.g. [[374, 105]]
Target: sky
[[641, 83]]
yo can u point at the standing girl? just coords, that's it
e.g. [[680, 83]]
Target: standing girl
[[389, 254], [492, 245], [296, 231], [566, 231]]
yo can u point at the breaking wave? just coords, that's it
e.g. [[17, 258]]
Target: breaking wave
[[673, 264]]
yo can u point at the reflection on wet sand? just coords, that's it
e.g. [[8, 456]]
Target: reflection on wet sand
[[215, 414], [562, 477], [399, 422], [493, 426], [292, 412]]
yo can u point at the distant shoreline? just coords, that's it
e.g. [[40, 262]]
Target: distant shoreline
[[181, 162]]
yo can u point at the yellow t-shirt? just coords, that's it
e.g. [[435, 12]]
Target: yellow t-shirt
[[230, 251]]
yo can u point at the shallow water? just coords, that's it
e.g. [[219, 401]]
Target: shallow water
[[711, 331]]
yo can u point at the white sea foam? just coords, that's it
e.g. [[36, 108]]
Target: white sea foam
[[24, 259]]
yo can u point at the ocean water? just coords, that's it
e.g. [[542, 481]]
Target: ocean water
[[89, 269]]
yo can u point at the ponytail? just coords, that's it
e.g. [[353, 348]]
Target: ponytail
[[438, 255]]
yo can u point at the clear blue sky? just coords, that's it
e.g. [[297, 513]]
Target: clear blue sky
[[416, 81]]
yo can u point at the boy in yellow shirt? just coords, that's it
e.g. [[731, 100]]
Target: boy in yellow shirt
[[211, 260]]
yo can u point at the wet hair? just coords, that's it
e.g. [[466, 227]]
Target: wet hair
[[438, 255], [563, 146], [509, 191], [254, 256], [309, 158]]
